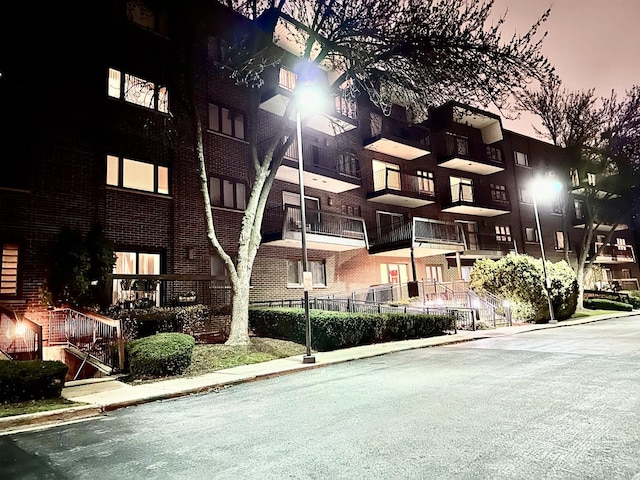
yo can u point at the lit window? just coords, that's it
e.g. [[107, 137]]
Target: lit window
[[498, 193], [575, 177], [138, 91], [9, 270], [591, 179], [226, 121], [503, 233], [621, 243], [425, 182], [131, 263], [526, 196], [521, 159], [316, 267], [287, 79], [228, 193], [127, 173], [461, 189], [530, 234], [577, 205], [559, 240]]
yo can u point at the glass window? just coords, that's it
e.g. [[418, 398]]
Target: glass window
[[316, 267], [591, 179], [498, 193], [137, 90], [287, 79], [385, 176], [137, 175], [503, 233], [226, 121], [530, 234], [461, 189], [575, 177], [9, 270], [131, 263], [348, 165], [577, 205], [434, 273], [228, 193], [521, 159], [457, 145], [494, 154], [559, 240], [425, 181]]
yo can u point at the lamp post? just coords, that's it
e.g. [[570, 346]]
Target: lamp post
[[307, 278], [547, 283]]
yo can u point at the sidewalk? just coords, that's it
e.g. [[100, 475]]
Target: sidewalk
[[106, 394]]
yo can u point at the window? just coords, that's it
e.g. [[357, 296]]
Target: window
[[228, 193], [559, 240], [457, 145], [556, 205], [141, 14], [433, 273], [503, 233], [578, 206], [348, 165], [351, 210], [345, 106], [498, 193], [131, 263], [385, 176], [591, 179], [461, 189], [287, 79], [394, 273], [9, 270], [425, 182], [316, 267], [575, 177], [388, 222], [621, 243], [530, 234], [127, 173], [226, 121], [138, 91], [494, 154], [375, 122], [521, 158], [526, 196]]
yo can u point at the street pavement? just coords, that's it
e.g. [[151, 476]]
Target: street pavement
[[98, 396]]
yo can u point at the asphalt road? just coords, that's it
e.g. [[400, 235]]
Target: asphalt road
[[557, 403]]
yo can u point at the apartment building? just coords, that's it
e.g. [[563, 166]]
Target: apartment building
[[94, 132]]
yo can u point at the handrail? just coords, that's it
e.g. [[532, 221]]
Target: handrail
[[21, 338]]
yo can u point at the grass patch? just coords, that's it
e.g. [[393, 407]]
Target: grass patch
[[35, 406], [590, 313]]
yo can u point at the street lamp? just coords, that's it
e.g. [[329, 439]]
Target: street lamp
[[540, 184], [309, 98]]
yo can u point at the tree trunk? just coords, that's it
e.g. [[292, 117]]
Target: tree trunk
[[239, 331]]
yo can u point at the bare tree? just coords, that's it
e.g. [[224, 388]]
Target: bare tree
[[599, 136], [415, 53]]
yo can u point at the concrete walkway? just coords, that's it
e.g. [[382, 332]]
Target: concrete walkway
[[106, 394]]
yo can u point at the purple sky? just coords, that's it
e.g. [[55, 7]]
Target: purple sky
[[592, 43]]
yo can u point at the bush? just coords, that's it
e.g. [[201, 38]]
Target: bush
[[520, 280], [634, 298], [31, 380], [144, 322], [604, 304], [332, 330], [160, 355]]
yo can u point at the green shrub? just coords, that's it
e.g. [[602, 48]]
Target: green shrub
[[332, 330], [520, 280], [160, 355], [634, 298], [144, 322], [604, 304], [31, 380]]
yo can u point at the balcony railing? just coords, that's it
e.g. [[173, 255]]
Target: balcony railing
[[613, 253], [423, 230], [475, 200], [322, 226], [20, 338]]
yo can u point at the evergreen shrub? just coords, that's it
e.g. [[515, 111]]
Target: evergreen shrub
[[160, 355], [604, 304], [23, 380], [333, 330]]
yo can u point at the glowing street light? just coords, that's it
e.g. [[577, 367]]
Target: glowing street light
[[542, 185], [310, 99]]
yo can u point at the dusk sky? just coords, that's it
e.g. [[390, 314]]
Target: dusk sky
[[592, 43]]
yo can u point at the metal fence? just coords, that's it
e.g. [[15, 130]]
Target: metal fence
[[20, 338]]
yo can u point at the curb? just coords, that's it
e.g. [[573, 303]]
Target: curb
[[40, 420]]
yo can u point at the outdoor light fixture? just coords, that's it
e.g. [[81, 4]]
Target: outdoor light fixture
[[309, 98], [543, 184]]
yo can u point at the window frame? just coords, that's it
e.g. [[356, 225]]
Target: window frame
[[312, 265], [498, 192], [119, 84], [521, 159], [117, 178], [216, 111], [235, 184], [9, 274], [503, 234]]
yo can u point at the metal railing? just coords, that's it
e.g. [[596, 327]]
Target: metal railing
[[424, 230], [20, 338], [94, 335], [392, 179]]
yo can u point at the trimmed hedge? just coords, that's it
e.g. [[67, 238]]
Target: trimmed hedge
[[333, 330], [144, 322], [604, 304], [160, 355], [31, 380]]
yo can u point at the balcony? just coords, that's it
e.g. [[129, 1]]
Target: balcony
[[421, 237], [480, 201], [333, 173], [338, 117], [457, 153], [398, 140], [481, 246], [391, 187], [613, 253], [325, 230]]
